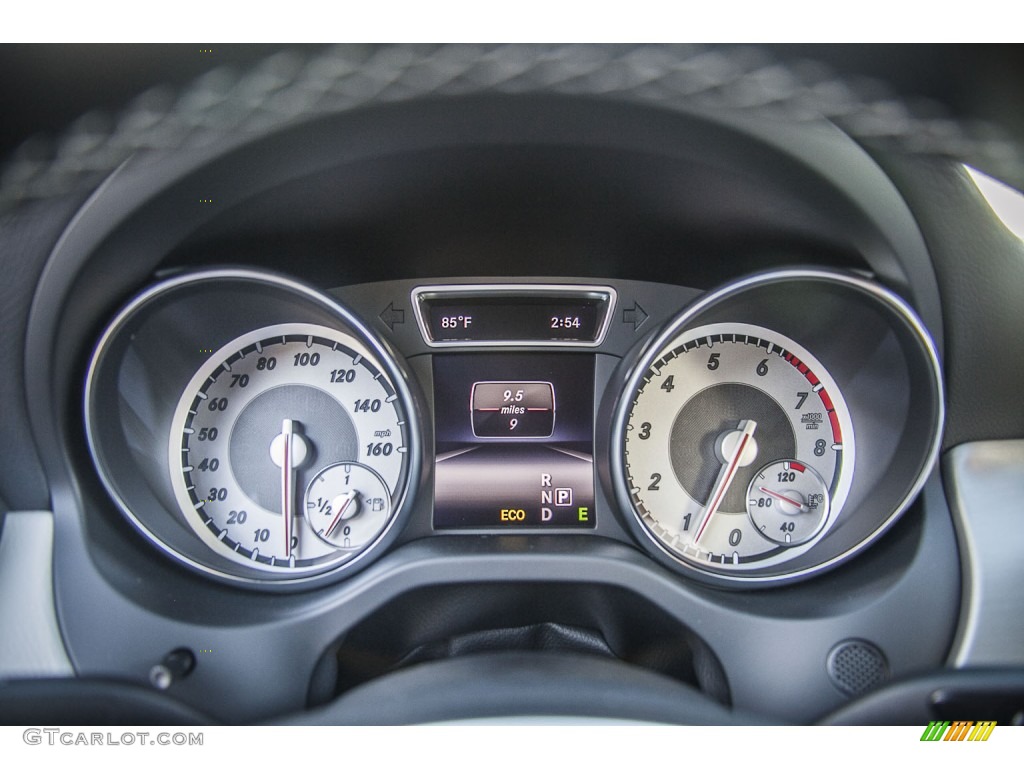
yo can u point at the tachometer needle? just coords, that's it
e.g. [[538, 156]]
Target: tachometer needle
[[727, 475]]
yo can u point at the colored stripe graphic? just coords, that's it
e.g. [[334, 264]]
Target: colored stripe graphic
[[959, 730], [935, 730], [982, 730]]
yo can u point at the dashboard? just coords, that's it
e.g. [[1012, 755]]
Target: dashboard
[[552, 378]]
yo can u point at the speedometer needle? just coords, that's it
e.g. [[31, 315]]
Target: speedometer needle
[[288, 450], [727, 475], [287, 500]]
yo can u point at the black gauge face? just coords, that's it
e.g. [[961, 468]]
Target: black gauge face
[[261, 427], [739, 448]]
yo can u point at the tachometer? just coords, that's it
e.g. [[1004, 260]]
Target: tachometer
[[776, 427], [739, 447]]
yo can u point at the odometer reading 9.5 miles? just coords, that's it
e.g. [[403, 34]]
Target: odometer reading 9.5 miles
[[513, 410]]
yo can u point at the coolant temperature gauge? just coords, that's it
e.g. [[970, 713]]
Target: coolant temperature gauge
[[347, 505], [788, 503]]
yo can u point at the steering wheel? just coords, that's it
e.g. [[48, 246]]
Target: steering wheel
[[782, 83]]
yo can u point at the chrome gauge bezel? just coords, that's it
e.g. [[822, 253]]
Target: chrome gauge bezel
[[191, 411], [129, 407], [907, 362], [664, 505]]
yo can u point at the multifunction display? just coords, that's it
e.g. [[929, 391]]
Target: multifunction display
[[514, 440], [513, 314], [513, 409]]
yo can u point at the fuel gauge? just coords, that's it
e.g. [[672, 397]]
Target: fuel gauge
[[788, 502], [347, 505]]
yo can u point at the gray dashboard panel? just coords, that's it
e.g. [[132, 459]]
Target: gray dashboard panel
[[773, 644], [986, 489], [31, 644]]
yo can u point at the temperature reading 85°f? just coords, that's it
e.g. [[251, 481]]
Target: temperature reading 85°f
[[456, 321]]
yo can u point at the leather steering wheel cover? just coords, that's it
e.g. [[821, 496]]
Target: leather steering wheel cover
[[519, 684]]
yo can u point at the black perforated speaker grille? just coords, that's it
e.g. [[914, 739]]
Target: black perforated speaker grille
[[857, 666]]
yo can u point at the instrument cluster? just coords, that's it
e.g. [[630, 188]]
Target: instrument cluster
[[272, 435]]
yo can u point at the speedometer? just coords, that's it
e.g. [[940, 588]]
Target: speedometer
[[739, 447], [263, 419], [253, 428]]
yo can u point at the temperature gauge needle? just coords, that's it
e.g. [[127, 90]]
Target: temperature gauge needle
[[728, 473], [799, 505]]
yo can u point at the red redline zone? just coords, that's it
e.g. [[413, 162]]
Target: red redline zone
[[826, 401]]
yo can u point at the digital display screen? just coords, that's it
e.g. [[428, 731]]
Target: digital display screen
[[514, 440], [521, 318], [513, 408]]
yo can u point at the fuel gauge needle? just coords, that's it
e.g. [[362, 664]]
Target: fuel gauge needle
[[728, 474], [346, 501]]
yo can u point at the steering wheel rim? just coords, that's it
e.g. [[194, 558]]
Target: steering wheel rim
[[296, 84], [513, 685]]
